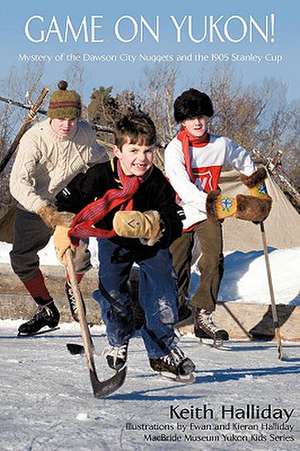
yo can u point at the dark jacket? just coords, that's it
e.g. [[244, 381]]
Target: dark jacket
[[155, 193]]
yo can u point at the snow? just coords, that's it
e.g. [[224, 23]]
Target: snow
[[245, 277], [47, 402]]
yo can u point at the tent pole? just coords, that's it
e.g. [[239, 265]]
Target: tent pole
[[271, 290]]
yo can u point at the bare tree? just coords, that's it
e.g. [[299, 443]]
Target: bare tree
[[74, 75], [23, 86], [157, 98]]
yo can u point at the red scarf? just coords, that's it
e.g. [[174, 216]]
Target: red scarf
[[187, 142], [83, 223]]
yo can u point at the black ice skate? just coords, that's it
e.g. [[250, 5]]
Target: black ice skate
[[204, 327], [116, 356], [175, 366], [46, 315], [72, 302]]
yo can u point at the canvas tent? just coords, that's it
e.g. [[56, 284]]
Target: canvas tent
[[282, 226]]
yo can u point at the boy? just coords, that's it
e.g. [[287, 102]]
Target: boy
[[193, 163], [50, 155], [135, 202]]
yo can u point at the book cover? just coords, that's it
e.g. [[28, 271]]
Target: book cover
[[134, 54]]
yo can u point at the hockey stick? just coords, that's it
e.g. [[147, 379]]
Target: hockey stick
[[271, 290], [24, 127], [100, 388]]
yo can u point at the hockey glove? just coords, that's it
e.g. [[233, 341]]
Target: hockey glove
[[53, 218], [256, 183], [62, 242], [134, 224], [248, 208]]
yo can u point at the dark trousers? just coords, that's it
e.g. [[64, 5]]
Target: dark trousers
[[157, 295], [30, 236], [210, 264]]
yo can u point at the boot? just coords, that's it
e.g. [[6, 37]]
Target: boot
[[46, 315], [175, 363], [72, 302], [204, 326], [116, 356]]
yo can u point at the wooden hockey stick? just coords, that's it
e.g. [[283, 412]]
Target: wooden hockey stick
[[271, 290], [100, 388], [24, 127]]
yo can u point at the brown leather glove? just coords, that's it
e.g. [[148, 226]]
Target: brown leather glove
[[134, 224], [62, 242], [52, 217], [248, 208]]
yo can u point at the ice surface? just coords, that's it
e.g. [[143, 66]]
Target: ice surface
[[47, 402]]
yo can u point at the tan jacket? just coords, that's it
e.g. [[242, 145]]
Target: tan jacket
[[46, 162]]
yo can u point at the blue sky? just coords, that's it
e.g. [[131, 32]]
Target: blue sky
[[122, 75]]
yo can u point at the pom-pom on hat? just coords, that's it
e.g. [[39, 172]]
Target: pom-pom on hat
[[192, 103], [64, 104]]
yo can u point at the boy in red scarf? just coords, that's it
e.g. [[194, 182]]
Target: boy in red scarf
[[135, 218], [193, 163]]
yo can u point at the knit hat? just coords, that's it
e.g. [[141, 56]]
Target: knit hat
[[192, 103], [64, 104]]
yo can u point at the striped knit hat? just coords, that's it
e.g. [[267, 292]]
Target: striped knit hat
[[64, 104]]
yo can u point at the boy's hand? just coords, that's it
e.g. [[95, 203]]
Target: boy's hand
[[53, 218], [248, 208], [134, 224], [62, 242]]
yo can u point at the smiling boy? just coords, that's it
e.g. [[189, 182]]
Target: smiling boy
[[136, 212]]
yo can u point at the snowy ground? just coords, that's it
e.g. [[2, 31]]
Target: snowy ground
[[47, 404]]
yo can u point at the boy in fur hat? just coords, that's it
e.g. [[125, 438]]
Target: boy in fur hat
[[193, 163], [50, 155], [136, 212]]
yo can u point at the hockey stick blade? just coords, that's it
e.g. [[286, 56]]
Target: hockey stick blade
[[109, 386], [104, 388]]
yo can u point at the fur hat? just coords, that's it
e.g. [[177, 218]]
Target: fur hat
[[192, 103], [64, 104]]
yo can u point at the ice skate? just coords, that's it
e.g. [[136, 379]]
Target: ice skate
[[116, 356], [175, 366], [46, 315], [206, 329]]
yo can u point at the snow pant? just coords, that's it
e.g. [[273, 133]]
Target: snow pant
[[30, 236], [210, 264], [157, 295]]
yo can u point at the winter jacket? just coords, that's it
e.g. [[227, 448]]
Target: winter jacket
[[155, 193], [46, 162], [207, 163]]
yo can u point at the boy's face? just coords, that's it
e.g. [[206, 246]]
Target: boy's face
[[197, 126], [64, 127], [135, 159]]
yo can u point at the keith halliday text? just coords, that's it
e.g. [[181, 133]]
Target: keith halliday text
[[231, 412]]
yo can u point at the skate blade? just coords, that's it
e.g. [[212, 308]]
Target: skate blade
[[40, 332], [215, 344], [188, 379]]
